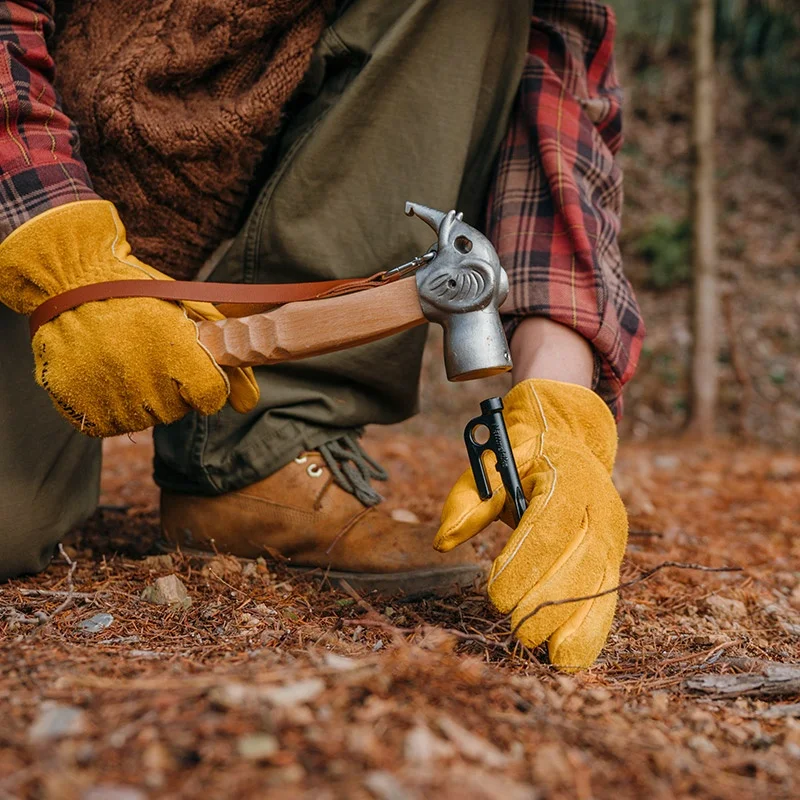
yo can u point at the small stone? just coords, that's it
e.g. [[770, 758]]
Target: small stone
[[404, 515], [224, 567], [162, 563], [167, 591], [56, 721], [567, 685], [726, 608], [294, 694], [257, 746], [363, 743], [95, 624]]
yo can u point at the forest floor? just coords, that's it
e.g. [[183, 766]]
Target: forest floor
[[268, 684]]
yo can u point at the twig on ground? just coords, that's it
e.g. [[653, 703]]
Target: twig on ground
[[769, 679], [40, 617], [69, 599], [348, 589], [56, 593], [467, 637], [643, 577]]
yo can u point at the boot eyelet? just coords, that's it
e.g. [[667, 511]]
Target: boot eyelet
[[314, 470], [301, 459]]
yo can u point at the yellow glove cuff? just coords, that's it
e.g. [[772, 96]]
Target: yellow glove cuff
[[567, 409]]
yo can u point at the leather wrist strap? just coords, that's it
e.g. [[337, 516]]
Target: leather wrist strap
[[243, 298]]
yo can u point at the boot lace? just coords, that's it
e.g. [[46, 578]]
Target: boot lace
[[353, 469]]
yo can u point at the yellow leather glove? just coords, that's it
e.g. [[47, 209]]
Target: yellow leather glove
[[571, 539], [113, 366]]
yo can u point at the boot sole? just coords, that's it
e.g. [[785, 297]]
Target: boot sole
[[409, 585]]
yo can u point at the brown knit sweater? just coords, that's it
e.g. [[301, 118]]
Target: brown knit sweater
[[175, 101]]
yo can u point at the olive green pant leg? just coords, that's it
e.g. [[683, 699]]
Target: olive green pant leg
[[407, 100], [49, 473]]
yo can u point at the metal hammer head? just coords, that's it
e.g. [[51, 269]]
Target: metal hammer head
[[462, 289]]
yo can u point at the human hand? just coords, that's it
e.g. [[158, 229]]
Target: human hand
[[120, 365], [571, 539]]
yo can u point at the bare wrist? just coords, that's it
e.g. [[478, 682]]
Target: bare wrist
[[541, 348]]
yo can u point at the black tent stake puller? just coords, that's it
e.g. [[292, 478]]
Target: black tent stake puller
[[498, 443]]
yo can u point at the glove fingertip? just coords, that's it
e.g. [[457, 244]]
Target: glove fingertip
[[206, 397], [447, 539], [578, 643]]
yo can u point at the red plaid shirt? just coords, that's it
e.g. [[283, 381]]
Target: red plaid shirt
[[556, 200], [554, 208]]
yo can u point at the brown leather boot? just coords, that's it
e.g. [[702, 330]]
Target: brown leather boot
[[301, 514]]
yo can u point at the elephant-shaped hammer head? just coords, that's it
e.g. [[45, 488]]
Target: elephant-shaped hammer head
[[462, 289]]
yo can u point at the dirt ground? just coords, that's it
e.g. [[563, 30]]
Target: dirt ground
[[269, 685]]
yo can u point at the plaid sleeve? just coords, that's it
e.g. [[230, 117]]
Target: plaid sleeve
[[40, 166], [556, 197]]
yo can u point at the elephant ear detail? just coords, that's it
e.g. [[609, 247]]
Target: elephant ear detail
[[465, 286]]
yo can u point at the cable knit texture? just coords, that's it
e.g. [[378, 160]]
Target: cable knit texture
[[176, 101]]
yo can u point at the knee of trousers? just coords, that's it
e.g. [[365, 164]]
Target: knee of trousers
[[30, 533]]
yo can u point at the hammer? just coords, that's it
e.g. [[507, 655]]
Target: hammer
[[459, 284]]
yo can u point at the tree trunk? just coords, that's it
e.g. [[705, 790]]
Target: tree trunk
[[705, 301]]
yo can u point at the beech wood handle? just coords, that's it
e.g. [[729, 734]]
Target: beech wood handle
[[314, 327]]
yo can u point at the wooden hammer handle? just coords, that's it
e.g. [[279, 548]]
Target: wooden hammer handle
[[313, 327]]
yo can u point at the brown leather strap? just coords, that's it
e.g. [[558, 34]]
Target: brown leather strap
[[251, 298]]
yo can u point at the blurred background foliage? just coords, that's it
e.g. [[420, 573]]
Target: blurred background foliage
[[758, 46], [665, 245], [758, 160], [759, 40]]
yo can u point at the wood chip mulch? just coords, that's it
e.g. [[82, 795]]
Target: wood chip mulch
[[271, 685]]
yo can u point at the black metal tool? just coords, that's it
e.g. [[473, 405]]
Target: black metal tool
[[491, 418]]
